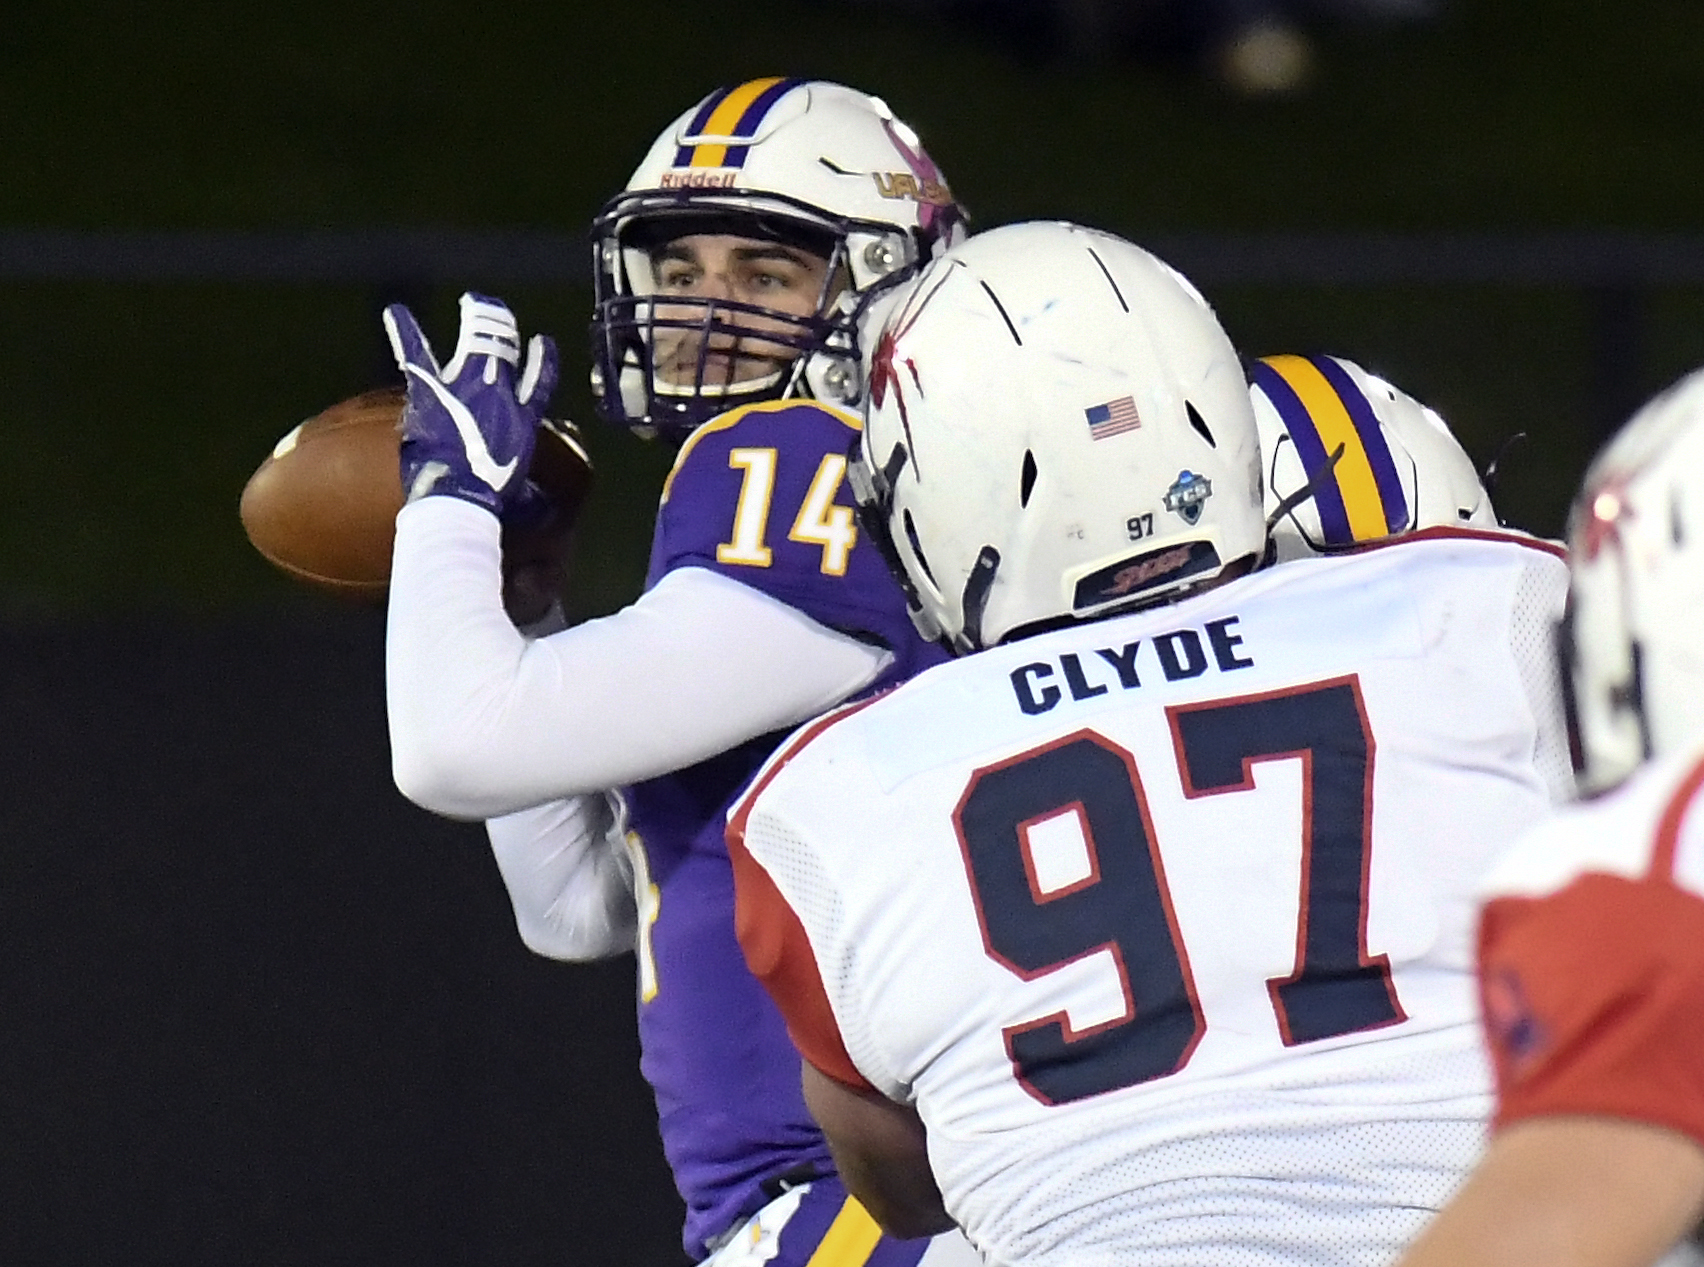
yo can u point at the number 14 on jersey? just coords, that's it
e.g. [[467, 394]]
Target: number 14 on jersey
[[820, 522]]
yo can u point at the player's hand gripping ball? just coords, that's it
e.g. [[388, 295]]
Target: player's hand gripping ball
[[468, 428], [322, 507]]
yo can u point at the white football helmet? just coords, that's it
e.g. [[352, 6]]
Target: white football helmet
[[1057, 428], [806, 163], [1401, 468], [1632, 639]]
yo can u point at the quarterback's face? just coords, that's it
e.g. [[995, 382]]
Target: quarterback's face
[[712, 266]]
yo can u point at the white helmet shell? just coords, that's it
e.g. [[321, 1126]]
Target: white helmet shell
[[832, 148], [1632, 635], [1057, 428], [782, 159], [1401, 468]]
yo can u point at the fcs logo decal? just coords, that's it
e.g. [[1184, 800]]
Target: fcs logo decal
[[1187, 495]]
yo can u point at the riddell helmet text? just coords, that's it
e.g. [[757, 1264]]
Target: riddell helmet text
[[708, 178]]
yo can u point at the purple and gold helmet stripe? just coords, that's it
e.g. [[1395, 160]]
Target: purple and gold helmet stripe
[[1322, 408], [728, 113]]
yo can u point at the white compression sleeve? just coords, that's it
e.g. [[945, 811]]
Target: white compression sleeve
[[568, 877], [483, 722]]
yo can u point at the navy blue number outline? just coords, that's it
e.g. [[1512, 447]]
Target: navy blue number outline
[[1218, 743], [1153, 1039]]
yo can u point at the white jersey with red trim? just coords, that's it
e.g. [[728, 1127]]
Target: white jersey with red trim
[[1592, 956], [1164, 923]]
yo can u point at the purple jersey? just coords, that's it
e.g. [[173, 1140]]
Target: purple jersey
[[758, 496]]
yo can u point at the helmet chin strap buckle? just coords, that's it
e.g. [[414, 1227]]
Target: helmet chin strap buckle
[[926, 626]]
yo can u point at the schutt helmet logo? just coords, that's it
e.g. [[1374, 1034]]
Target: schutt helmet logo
[[1188, 494], [1141, 572]]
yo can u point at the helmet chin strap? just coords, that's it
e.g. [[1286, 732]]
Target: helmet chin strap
[[1632, 696], [1307, 490], [1492, 475], [738, 387], [975, 600]]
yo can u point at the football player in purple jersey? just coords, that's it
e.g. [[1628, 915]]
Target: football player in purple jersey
[[732, 275]]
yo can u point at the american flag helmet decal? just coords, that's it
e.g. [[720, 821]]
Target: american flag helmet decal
[[1112, 418]]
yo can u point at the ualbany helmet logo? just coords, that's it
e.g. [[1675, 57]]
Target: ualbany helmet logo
[[1187, 495], [906, 185], [922, 184]]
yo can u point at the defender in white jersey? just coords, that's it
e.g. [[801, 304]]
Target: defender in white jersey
[[1144, 931], [1592, 938]]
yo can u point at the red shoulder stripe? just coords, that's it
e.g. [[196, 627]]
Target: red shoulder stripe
[[1668, 827], [1553, 548], [773, 939]]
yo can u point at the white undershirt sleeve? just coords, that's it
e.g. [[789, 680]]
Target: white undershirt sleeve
[[484, 722], [568, 876]]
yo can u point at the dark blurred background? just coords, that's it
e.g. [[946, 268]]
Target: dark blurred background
[[262, 1011]]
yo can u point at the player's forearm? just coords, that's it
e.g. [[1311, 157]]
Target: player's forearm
[[881, 1151], [440, 625], [904, 1208], [1570, 1192], [484, 723], [568, 878]]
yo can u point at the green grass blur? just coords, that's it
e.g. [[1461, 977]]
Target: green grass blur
[[131, 415]]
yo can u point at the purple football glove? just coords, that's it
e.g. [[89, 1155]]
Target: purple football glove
[[467, 430]]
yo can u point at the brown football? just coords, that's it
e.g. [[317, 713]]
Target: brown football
[[323, 504]]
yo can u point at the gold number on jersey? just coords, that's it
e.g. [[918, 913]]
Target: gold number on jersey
[[751, 514], [650, 900], [820, 521]]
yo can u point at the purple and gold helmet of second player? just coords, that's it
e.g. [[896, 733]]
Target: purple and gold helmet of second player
[[1400, 469], [807, 164]]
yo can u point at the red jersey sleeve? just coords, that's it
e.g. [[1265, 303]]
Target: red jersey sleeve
[[1593, 1000]]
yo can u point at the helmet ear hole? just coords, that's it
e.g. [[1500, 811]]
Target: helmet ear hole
[[1028, 481], [1199, 423]]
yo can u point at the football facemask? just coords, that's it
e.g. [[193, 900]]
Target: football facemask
[[812, 166]]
